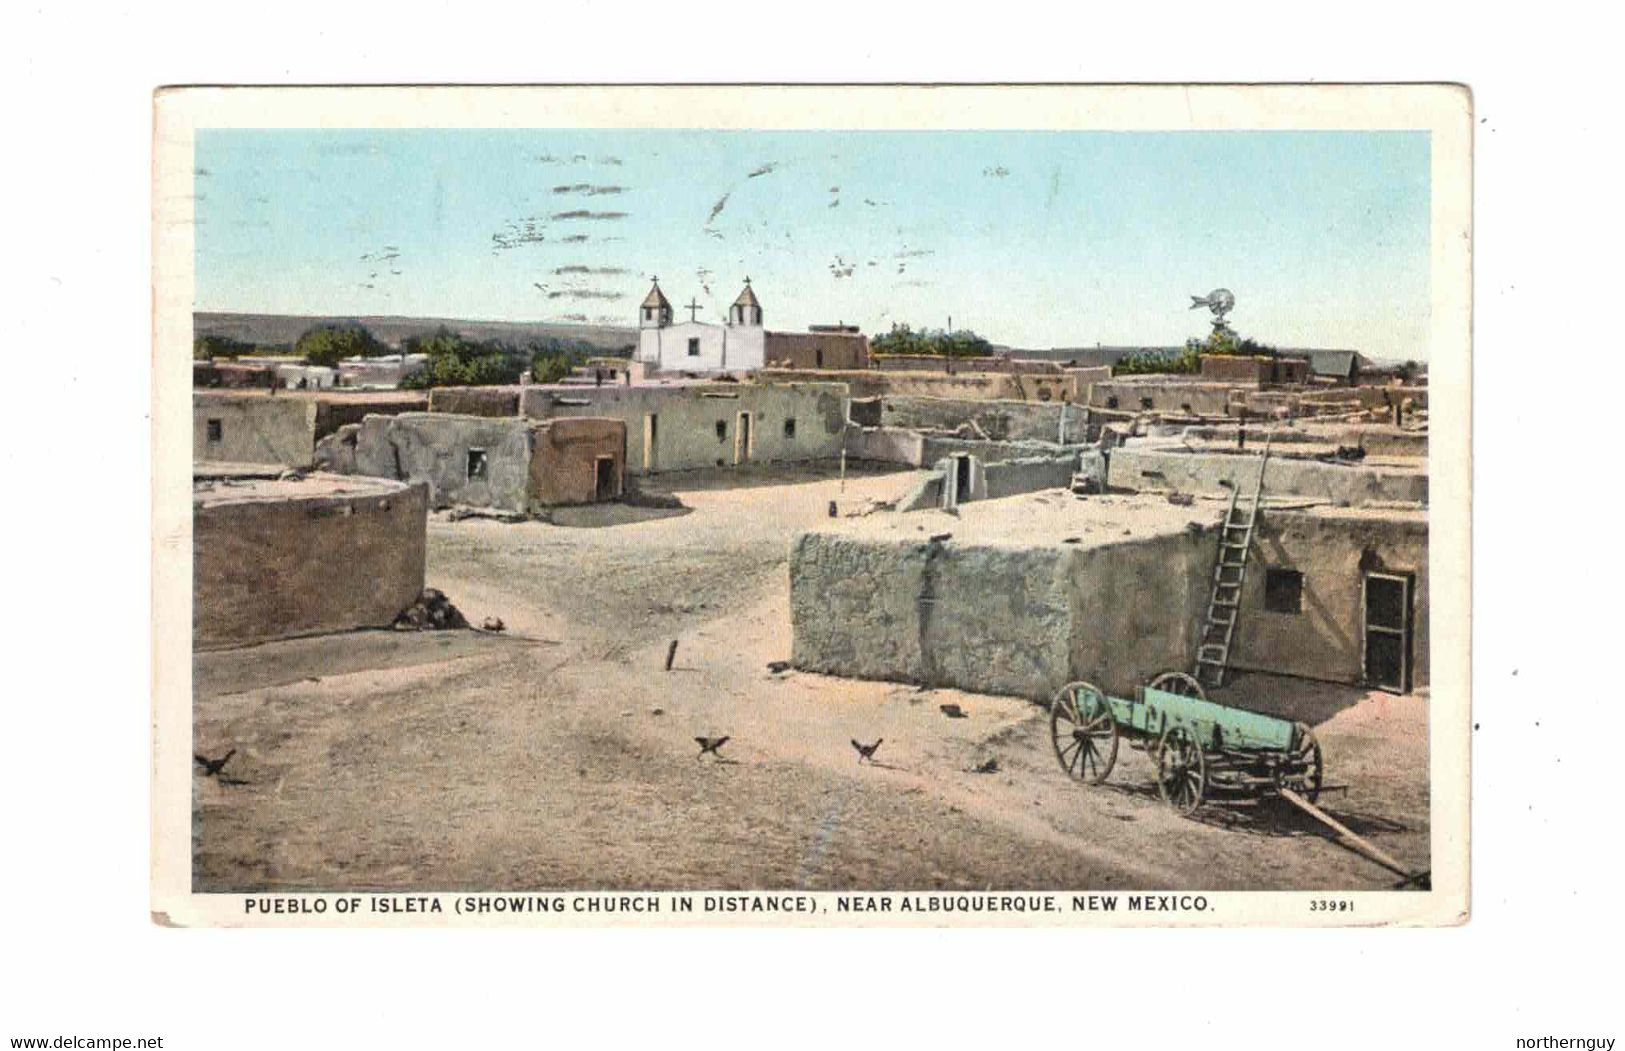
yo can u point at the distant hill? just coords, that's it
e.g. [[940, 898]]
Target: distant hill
[[284, 329]]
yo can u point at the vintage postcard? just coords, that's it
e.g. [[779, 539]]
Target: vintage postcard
[[812, 505]]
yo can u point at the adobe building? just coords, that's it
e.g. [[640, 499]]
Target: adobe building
[[504, 463], [682, 426], [275, 559], [266, 427], [820, 347], [1032, 591], [1255, 370]]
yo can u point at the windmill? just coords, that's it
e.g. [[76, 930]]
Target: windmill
[[1219, 302]]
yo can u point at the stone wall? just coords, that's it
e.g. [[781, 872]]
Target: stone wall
[[247, 427], [274, 560], [698, 425]]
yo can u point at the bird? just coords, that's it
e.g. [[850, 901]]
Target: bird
[[710, 744], [866, 751], [212, 767]]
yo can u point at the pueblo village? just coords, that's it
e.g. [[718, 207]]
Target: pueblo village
[[691, 601]]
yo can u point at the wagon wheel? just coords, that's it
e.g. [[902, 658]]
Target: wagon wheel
[[1178, 682], [1181, 770], [1305, 755], [1084, 732]]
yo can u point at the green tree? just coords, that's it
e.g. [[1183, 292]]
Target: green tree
[[549, 368], [456, 361], [960, 343], [330, 343], [210, 347]]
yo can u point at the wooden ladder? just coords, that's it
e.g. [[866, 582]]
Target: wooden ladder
[[1229, 573]]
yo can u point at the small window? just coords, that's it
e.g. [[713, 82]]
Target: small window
[[1148, 403], [1185, 407], [722, 430], [214, 430], [818, 356], [790, 428], [648, 313], [694, 348], [1283, 591], [476, 464], [1111, 401]]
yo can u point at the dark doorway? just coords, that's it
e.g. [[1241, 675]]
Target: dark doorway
[[605, 487], [1387, 635], [962, 477], [742, 439]]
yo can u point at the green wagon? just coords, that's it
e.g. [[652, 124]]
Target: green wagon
[[1202, 750]]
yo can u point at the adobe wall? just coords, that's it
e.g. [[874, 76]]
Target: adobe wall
[[337, 410], [1349, 485], [1237, 369], [276, 560], [996, 619], [433, 448], [885, 445], [816, 350], [1186, 398], [1333, 552], [689, 418], [996, 420], [564, 460], [475, 401], [254, 428]]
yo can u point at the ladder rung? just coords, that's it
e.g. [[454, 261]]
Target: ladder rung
[[1222, 604]]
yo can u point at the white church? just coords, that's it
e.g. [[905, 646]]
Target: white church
[[695, 346]]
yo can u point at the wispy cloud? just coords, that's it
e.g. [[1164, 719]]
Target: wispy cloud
[[587, 189], [606, 271], [582, 213], [586, 293]]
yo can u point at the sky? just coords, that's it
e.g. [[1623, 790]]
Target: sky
[[1031, 238]]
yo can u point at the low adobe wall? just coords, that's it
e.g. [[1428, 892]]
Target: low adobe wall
[[274, 560], [1003, 420], [475, 401], [339, 409], [1349, 485], [1174, 398]]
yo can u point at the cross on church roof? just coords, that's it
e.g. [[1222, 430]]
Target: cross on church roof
[[692, 307]]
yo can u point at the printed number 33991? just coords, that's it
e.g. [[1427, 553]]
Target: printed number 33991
[[1331, 905]]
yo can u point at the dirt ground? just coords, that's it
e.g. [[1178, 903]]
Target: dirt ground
[[560, 753]]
